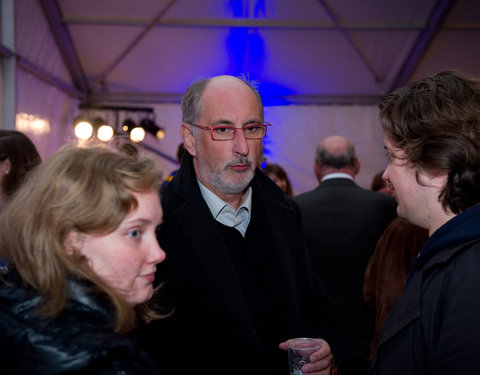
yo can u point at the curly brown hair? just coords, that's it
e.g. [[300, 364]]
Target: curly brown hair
[[436, 122]]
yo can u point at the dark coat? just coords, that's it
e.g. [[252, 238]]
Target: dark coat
[[342, 224], [210, 330], [81, 340], [433, 329]]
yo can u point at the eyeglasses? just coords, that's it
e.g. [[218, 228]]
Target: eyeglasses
[[227, 133]]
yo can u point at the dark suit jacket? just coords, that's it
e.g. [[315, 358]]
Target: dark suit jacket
[[342, 224], [210, 330]]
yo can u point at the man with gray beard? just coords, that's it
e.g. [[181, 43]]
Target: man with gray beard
[[237, 277]]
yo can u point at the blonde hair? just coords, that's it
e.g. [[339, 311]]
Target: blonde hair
[[81, 189]]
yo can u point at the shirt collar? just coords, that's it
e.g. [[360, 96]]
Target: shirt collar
[[216, 204], [336, 175]]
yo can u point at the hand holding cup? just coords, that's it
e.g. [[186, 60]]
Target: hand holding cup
[[299, 352]]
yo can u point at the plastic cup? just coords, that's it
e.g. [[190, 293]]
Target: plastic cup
[[299, 352]]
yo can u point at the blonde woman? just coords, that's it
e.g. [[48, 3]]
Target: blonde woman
[[80, 241]]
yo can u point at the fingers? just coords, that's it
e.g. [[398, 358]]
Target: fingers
[[318, 367], [320, 361]]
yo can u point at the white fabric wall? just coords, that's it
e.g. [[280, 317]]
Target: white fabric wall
[[291, 140], [294, 135], [36, 99], [297, 130], [49, 104]]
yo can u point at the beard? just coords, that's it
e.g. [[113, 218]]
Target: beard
[[224, 179]]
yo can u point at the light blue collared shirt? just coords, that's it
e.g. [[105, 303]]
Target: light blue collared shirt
[[337, 175], [226, 214]]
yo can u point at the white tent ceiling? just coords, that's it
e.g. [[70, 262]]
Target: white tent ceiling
[[341, 55], [300, 51]]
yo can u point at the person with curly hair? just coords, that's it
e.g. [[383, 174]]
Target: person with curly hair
[[432, 141]]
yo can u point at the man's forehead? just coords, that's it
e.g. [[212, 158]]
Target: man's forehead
[[225, 84], [218, 102]]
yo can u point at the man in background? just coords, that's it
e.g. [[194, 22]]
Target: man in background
[[342, 224], [237, 275]]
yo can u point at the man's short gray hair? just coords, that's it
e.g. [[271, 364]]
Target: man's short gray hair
[[325, 158]]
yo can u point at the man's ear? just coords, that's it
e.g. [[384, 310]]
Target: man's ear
[[188, 138]]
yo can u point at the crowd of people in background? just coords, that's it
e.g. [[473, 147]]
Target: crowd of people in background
[[106, 267]]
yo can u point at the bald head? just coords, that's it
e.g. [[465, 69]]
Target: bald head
[[335, 145], [225, 80], [192, 101], [336, 154]]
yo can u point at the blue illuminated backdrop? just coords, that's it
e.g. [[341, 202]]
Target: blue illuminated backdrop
[[247, 53], [247, 50]]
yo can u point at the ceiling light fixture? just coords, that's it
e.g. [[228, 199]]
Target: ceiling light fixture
[[126, 122]]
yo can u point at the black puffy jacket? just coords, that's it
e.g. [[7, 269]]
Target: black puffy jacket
[[79, 341]]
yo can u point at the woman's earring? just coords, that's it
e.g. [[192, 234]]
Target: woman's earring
[[7, 171]]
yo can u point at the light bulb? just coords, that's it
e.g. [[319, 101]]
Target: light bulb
[[160, 134], [83, 130], [137, 134], [105, 133]]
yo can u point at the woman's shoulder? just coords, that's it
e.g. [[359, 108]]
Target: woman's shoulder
[[79, 339]]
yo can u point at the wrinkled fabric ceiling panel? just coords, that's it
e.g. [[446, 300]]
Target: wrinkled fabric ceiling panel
[[305, 51]]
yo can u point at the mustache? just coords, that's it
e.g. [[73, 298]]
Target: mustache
[[242, 160]]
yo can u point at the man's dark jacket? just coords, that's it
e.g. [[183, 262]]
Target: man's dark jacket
[[434, 329], [342, 224], [210, 330]]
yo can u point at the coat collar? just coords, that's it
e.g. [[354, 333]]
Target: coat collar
[[407, 308]]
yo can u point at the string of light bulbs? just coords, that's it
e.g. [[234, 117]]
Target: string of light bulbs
[[95, 121]]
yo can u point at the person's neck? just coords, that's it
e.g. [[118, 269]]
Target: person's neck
[[440, 221], [324, 171], [333, 175]]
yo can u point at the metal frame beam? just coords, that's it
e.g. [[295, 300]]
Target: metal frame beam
[[439, 12], [65, 45], [103, 98], [29, 67], [8, 104], [377, 78], [238, 22], [102, 76], [261, 23]]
